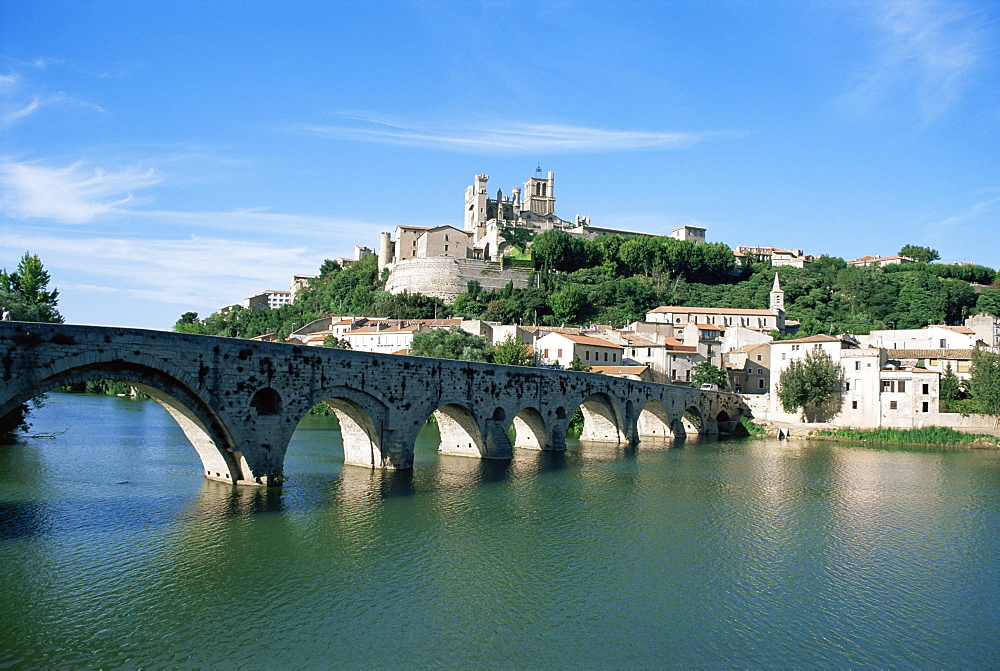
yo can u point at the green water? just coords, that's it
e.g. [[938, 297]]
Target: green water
[[114, 552]]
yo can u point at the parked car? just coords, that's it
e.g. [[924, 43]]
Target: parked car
[[709, 387]]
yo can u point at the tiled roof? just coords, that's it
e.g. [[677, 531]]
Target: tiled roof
[[619, 370], [635, 340], [712, 311], [809, 339], [929, 353], [589, 340]]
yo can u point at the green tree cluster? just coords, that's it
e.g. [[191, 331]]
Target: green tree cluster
[[808, 384], [25, 292]]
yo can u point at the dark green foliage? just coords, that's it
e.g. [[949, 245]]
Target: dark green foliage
[[808, 383], [917, 253], [25, 292], [511, 352], [984, 381], [988, 302], [518, 238], [950, 390], [578, 365], [707, 373], [451, 343], [928, 435], [333, 342]]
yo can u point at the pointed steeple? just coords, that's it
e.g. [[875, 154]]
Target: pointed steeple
[[778, 303]]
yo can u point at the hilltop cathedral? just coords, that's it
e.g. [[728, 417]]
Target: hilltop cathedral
[[441, 260]]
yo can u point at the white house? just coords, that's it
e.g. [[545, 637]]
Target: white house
[[559, 348]]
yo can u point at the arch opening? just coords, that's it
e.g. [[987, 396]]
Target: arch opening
[[654, 421], [201, 426], [530, 431], [692, 421], [602, 421], [266, 402], [359, 418], [460, 432]]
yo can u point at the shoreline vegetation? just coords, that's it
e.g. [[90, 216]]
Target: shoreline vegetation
[[928, 436]]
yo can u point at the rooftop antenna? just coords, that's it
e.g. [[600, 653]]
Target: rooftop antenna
[[538, 170]]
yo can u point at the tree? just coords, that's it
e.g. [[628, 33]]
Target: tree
[[917, 253], [451, 343], [568, 303], [511, 352], [989, 302], [984, 380], [334, 342], [578, 365], [189, 323], [708, 373], [25, 292], [808, 383], [518, 237], [950, 390]]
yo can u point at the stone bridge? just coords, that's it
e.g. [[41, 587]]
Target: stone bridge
[[238, 401]]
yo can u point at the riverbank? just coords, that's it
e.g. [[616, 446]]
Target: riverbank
[[929, 436]]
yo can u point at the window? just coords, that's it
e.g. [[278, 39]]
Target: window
[[605, 356], [545, 354], [892, 405], [760, 371], [900, 386], [783, 356], [854, 405], [587, 357], [847, 386], [857, 365], [887, 385], [795, 347], [942, 343], [649, 351], [558, 353], [760, 383], [760, 358], [614, 357], [926, 389], [925, 407]]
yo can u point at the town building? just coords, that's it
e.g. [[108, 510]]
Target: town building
[[769, 320], [795, 258], [749, 368], [934, 336], [271, 299], [880, 261], [986, 329], [560, 348]]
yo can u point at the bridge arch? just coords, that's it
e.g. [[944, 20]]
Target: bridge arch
[[203, 428], [654, 421], [602, 419], [361, 417], [461, 435], [530, 431]]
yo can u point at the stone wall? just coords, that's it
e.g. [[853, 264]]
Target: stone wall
[[446, 278], [760, 406]]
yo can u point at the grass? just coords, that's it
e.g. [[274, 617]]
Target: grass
[[929, 435], [753, 430]]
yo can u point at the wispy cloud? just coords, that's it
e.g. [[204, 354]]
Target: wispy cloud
[[72, 194], [194, 271], [974, 217], [927, 52], [19, 114], [506, 138]]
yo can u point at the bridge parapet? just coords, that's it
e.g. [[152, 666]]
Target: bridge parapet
[[239, 401]]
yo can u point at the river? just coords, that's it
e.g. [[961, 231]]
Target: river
[[115, 552]]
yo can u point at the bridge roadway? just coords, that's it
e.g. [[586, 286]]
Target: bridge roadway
[[238, 401]]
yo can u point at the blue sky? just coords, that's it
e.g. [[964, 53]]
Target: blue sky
[[162, 157]]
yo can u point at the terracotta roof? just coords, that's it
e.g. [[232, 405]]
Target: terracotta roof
[[619, 370], [713, 311], [711, 327], [810, 339], [635, 340], [590, 340], [364, 330], [957, 329], [929, 353]]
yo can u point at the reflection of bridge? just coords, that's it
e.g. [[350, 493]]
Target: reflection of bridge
[[238, 401]]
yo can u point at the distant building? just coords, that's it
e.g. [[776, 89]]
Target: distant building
[[880, 261], [560, 348], [778, 257], [691, 233], [930, 337], [271, 299], [986, 328]]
